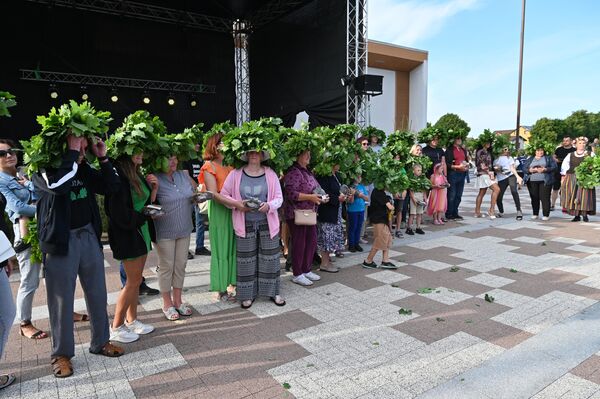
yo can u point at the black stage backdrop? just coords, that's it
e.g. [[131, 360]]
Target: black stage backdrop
[[296, 64], [65, 40]]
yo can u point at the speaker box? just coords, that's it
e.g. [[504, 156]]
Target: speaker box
[[369, 84]]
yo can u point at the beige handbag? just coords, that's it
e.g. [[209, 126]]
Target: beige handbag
[[305, 217]]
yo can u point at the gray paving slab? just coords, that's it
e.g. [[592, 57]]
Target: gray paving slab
[[529, 367]]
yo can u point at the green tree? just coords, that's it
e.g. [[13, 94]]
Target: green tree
[[583, 123], [549, 129], [451, 122]]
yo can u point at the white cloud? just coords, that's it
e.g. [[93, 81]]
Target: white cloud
[[406, 22]]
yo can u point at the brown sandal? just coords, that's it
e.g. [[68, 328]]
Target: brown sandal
[[80, 317], [110, 350], [38, 334], [62, 367]]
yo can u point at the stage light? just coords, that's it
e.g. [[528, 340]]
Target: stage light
[[346, 80], [171, 99], [146, 97], [114, 95], [84, 93], [53, 91], [193, 101]]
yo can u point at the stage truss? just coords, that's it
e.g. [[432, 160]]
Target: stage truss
[[357, 106]]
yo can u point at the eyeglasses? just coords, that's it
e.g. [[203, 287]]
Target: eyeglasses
[[4, 153], [365, 144]]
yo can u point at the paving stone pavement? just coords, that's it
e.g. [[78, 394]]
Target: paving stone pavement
[[423, 330]]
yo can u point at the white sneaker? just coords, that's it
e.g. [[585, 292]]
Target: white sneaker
[[122, 334], [534, 217], [312, 276], [302, 280], [545, 218], [139, 328]]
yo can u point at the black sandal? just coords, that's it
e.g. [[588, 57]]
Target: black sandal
[[277, 303], [39, 334], [247, 306]]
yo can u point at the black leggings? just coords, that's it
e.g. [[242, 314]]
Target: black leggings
[[504, 184], [539, 192]]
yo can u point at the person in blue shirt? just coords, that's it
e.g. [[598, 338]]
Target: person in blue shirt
[[356, 215]]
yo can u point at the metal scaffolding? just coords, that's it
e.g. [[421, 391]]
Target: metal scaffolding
[[357, 106], [146, 12], [113, 81], [242, 71]]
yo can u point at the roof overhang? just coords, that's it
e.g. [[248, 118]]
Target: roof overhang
[[396, 58]]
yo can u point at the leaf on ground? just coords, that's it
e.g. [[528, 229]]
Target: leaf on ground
[[310, 365], [328, 293], [513, 270], [375, 343], [425, 290], [395, 285], [489, 298], [462, 379], [478, 305], [405, 311], [439, 319], [438, 291], [454, 269], [544, 244], [450, 290], [469, 321], [286, 385]]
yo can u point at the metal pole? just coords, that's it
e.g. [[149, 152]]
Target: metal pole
[[520, 77]]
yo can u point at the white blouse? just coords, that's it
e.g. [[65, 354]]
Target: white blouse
[[566, 165]]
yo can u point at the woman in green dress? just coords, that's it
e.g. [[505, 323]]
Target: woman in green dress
[[129, 234], [223, 267]]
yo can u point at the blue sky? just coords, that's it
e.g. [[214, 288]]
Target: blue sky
[[474, 51]]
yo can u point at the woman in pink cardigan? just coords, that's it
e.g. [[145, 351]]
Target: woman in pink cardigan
[[255, 195]]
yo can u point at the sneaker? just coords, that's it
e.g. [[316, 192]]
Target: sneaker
[[329, 269], [534, 217], [551, 209], [458, 217], [410, 232], [450, 217], [388, 265], [419, 230], [403, 225], [398, 234], [368, 265], [500, 214], [302, 280], [139, 328], [519, 215], [363, 241], [358, 248], [122, 334], [312, 276], [190, 255], [585, 218], [576, 219], [544, 218], [145, 290], [202, 251], [352, 248]]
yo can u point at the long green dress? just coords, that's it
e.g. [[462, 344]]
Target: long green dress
[[139, 201], [223, 266]]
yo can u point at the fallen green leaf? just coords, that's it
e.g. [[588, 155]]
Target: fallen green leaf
[[439, 319], [286, 385], [375, 343], [310, 365], [405, 311], [395, 285], [438, 291], [425, 290], [513, 270], [454, 269], [544, 244], [489, 298], [462, 379], [469, 321]]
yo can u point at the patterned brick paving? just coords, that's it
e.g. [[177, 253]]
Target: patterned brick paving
[[348, 336]]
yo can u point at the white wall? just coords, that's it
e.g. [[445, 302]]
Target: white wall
[[383, 107], [417, 101]]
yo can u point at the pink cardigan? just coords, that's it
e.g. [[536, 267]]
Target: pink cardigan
[[231, 190]]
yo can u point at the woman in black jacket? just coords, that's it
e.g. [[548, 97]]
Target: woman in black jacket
[[129, 235], [330, 235]]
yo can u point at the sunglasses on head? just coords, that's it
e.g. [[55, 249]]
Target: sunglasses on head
[[4, 153]]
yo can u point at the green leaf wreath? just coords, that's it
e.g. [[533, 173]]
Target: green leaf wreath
[[588, 173], [258, 135], [371, 131], [46, 149], [339, 148], [399, 144], [390, 174], [452, 135], [429, 133], [7, 100], [502, 141], [486, 137], [538, 142]]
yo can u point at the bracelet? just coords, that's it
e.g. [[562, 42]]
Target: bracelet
[[104, 158]]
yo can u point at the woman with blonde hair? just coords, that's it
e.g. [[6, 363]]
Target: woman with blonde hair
[[579, 202]]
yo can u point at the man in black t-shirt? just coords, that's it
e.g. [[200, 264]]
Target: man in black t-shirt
[[559, 155], [437, 155]]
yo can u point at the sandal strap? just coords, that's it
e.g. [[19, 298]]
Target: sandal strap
[[111, 350], [61, 366]]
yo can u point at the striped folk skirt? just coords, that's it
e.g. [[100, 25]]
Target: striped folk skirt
[[576, 199], [258, 266]]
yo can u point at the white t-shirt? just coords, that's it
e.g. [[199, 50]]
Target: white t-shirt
[[505, 163]]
